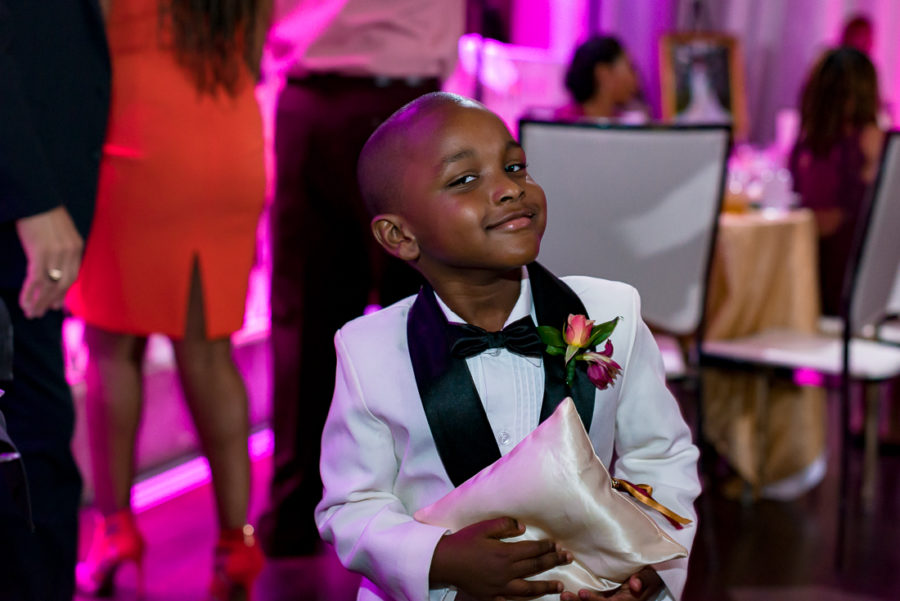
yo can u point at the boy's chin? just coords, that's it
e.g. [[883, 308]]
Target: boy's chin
[[530, 255], [518, 262]]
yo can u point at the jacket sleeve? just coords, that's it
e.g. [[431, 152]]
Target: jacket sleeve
[[654, 445], [25, 177], [371, 530]]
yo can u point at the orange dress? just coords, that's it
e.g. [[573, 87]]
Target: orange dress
[[182, 180]]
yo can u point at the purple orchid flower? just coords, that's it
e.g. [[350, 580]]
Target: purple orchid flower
[[602, 369]]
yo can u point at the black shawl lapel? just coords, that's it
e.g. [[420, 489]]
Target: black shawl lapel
[[554, 301], [456, 416], [458, 423]]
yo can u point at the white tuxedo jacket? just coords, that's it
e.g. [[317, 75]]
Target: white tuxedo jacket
[[380, 463]]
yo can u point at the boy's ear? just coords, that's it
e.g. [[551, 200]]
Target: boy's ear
[[393, 234]]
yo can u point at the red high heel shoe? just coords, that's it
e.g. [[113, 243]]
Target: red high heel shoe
[[236, 565], [116, 541]]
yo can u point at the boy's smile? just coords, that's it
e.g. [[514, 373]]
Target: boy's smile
[[467, 197]]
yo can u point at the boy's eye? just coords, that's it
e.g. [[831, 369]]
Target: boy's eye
[[465, 179], [516, 167]]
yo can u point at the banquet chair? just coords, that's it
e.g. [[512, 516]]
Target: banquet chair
[[850, 357], [638, 204], [889, 329]]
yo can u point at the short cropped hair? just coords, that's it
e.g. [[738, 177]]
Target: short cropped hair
[[381, 158]]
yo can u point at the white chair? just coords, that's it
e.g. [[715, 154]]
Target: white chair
[[640, 205], [636, 204], [889, 330], [851, 357]]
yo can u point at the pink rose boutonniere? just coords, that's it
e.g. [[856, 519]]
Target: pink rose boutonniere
[[576, 342]]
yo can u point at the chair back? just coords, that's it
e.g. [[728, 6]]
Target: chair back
[[868, 286], [635, 204]]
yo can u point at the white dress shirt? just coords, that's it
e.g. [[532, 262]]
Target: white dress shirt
[[510, 386]]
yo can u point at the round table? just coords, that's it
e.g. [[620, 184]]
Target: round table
[[765, 275]]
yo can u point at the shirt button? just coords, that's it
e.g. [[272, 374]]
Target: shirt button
[[504, 438]]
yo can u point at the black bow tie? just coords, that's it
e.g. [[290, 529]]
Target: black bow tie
[[519, 337]]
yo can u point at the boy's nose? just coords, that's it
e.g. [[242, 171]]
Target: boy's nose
[[507, 189]]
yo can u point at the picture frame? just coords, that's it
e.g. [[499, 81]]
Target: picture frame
[[702, 80]]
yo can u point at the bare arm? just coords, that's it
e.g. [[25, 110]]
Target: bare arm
[[871, 140]]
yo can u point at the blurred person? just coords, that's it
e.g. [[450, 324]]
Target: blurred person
[[836, 157], [348, 65], [858, 33], [51, 130], [603, 84], [181, 189]]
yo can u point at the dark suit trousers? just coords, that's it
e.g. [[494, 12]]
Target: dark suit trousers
[[326, 268], [40, 417]]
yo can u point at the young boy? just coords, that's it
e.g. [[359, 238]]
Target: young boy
[[414, 414]]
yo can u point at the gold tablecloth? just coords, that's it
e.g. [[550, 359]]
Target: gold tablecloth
[[764, 275]]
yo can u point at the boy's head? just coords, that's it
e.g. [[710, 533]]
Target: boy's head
[[448, 190]]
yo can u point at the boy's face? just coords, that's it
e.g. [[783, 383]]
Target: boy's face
[[467, 196]]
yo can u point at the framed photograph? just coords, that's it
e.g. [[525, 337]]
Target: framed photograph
[[702, 80]]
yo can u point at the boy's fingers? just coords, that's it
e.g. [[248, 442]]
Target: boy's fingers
[[636, 583], [529, 566], [645, 583], [531, 549], [502, 528], [533, 588]]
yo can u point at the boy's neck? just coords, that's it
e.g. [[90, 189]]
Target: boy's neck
[[485, 302]]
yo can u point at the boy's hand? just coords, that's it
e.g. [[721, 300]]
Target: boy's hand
[[477, 562], [639, 587]]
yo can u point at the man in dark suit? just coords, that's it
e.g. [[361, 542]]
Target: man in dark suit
[[54, 99]]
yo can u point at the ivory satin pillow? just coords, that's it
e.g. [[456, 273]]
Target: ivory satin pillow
[[555, 484]]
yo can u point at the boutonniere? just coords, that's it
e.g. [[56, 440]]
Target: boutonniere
[[581, 335]]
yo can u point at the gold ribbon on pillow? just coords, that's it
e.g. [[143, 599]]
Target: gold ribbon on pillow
[[643, 493]]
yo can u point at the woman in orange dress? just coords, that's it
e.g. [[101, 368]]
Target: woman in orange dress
[[173, 240]]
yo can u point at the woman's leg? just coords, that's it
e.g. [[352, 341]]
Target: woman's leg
[[113, 408], [217, 399]]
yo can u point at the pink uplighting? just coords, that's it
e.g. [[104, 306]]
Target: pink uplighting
[[808, 377], [190, 475]]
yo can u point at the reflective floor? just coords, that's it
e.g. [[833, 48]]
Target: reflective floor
[[744, 552]]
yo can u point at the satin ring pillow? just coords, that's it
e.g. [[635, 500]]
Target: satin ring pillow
[[555, 484]]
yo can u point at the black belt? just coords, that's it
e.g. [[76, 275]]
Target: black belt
[[374, 81]]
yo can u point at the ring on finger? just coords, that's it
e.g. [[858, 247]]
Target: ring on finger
[[54, 274]]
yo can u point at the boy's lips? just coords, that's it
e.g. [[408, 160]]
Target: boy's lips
[[513, 221]]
